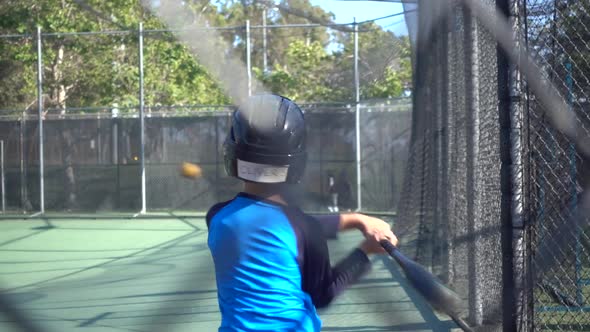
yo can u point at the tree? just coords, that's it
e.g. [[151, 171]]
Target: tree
[[570, 49], [92, 70], [384, 63], [235, 13], [395, 79], [17, 82], [302, 76], [102, 70]]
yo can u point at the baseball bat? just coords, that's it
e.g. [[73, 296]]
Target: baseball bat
[[439, 296]]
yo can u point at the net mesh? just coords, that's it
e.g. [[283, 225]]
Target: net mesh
[[20, 135], [92, 154], [556, 33], [493, 191], [92, 162], [451, 198]]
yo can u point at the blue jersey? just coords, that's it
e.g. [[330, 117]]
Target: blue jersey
[[272, 267]]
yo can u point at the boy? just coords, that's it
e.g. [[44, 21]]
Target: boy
[[271, 260]]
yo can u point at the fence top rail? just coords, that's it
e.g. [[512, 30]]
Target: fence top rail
[[163, 111], [190, 111], [148, 31]]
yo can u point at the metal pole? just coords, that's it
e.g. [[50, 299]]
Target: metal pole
[[40, 114], [116, 162], [574, 192], [141, 120], [248, 63], [517, 147], [98, 143], [509, 213], [2, 186], [264, 55], [471, 46], [217, 184], [357, 119], [23, 178]]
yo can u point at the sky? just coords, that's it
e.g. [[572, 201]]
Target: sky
[[346, 11]]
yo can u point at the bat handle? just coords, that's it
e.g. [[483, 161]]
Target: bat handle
[[393, 252], [388, 246]]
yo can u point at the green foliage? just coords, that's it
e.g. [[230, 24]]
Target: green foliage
[[173, 77], [309, 73], [569, 47], [389, 86], [303, 74], [392, 84], [102, 69]]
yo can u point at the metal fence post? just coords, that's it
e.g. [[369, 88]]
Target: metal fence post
[[248, 55], [357, 118], [574, 194], [142, 120], [23, 179], [40, 114], [2, 186], [264, 52], [517, 146], [507, 185], [474, 221]]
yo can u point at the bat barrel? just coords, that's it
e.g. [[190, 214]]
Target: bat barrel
[[462, 324], [440, 297]]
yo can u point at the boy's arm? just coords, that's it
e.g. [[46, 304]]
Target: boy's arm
[[320, 280], [371, 227], [330, 224]]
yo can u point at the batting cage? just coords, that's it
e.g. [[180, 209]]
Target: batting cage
[[469, 133], [494, 198]]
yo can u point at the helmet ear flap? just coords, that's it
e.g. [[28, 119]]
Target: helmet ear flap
[[297, 169], [229, 156]]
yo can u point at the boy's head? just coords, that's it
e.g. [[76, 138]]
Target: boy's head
[[266, 141]]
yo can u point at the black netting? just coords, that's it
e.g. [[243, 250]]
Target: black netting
[[493, 196], [171, 141], [92, 163], [450, 207], [18, 125]]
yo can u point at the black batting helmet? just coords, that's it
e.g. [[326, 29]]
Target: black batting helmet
[[266, 142]]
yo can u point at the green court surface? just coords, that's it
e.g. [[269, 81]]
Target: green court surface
[[156, 275]]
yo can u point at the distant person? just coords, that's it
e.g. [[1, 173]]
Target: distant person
[[344, 192], [333, 194], [272, 265]]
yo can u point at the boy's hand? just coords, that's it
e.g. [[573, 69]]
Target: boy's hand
[[375, 230], [371, 247]]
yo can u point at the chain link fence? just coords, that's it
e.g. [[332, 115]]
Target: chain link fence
[[493, 194], [557, 33], [90, 159]]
